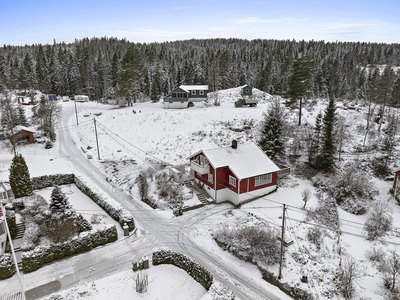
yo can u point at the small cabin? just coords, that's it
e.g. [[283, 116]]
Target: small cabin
[[246, 91], [24, 100], [23, 134]]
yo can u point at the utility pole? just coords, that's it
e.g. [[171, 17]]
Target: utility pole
[[282, 241], [97, 141], [13, 252], [76, 112]]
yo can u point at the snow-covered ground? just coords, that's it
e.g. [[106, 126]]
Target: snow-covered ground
[[132, 139]]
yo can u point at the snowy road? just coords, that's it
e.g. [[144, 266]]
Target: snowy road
[[155, 231]]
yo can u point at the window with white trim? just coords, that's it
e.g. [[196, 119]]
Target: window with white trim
[[263, 179], [210, 178], [232, 181], [193, 92], [201, 92], [202, 159]]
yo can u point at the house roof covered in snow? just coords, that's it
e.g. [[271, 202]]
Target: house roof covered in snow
[[194, 87], [20, 127], [247, 160]]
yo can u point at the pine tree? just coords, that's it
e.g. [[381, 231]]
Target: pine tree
[[272, 141], [300, 80], [325, 161], [83, 224], [21, 116], [20, 180], [316, 140], [59, 201], [389, 142]]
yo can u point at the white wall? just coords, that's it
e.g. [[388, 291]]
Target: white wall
[[176, 104], [256, 193]]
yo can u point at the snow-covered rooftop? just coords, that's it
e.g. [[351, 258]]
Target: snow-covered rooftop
[[246, 161], [20, 127], [194, 87]]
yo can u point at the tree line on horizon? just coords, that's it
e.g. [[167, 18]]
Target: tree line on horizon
[[108, 68]]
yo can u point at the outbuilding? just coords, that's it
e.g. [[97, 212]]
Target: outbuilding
[[23, 134], [237, 173]]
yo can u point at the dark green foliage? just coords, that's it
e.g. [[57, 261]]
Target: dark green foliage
[[59, 201], [316, 140], [272, 135], [198, 272], [143, 186], [21, 116], [46, 181], [11, 222], [325, 160], [20, 181], [7, 267], [300, 80], [60, 227], [131, 74], [83, 224], [33, 260]]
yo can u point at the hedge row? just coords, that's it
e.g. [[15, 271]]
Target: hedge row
[[118, 213], [198, 272], [36, 258], [46, 181], [7, 267], [294, 292], [12, 224]]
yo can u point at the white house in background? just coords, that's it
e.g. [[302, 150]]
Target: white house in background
[[6, 194], [182, 95], [81, 98], [3, 234], [236, 173]]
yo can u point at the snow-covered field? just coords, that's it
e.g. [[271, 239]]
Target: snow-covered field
[[133, 138]]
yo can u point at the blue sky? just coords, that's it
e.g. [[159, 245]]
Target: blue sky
[[41, 21]]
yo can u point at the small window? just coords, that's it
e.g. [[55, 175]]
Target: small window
[[193, 92], [263, 179], [232, 181], [247, 90], [173, 95], [202, 160], [210, 178], [201, 92], [185, 95]]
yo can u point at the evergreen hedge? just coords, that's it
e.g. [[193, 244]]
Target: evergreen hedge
[[7, 267], [12, 224], [119, 214], [36, 258], [194, 269]]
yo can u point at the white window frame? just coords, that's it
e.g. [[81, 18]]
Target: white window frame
[[232, 181], [202, 160], [193, 92], [263, 179], [201, 92], [210, 177]]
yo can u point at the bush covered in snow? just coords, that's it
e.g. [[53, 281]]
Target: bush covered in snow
[[194, 269], [379, 221], [31, 236], [352, 190], [36, 258], [325, 213], [250, 243], [7, 267], [168, 189], [220, 292]]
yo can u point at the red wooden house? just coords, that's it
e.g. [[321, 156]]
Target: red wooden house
[[236, 173], [23, 134]]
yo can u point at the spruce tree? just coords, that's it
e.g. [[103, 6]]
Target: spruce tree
[[272, 142], [316, 140], [325, 160], [21, 116], [20, 180], [300, 80], [59, 201], [83, 224]]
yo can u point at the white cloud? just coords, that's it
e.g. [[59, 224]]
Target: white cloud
[[343, 27], [255, 20]]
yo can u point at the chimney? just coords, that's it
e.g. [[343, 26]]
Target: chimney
[[234, 144]]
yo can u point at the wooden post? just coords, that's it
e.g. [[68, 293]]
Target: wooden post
[[282, 242]]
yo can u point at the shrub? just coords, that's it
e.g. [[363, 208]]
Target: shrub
[[11, 222], [31, 236], [7, 267], [375, 254], [83, 224], [379, 222], [316, 236], [220, 292], [59, 227], [326, 213], [46, 181], [198, 272], [250, 243]]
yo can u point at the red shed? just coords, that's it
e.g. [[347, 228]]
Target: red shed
[[236, 173]]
